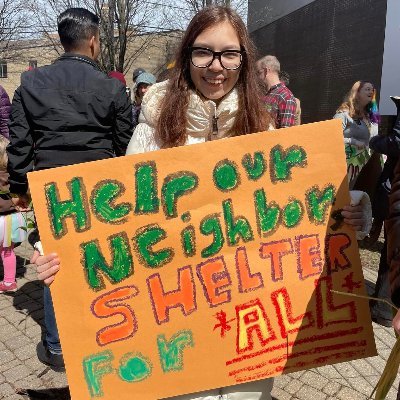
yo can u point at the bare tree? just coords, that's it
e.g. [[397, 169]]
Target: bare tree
[[44, 14], [121, 21], [197, 5], [13, 20], [127, 27], [183, 11]]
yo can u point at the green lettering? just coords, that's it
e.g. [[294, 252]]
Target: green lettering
[[146, 188], [93, 261], [254, 166], [292, 214], [102, 199], [185, 217], [268, 214], [318, 202], [76, 208], [188, 239], [236, 227], [211, 225], [175, 186], [145, 238], [226, 176], [95, 367], [281, 162], [134, 367], [171, 352]]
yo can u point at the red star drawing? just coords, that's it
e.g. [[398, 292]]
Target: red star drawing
[[223, 323], [350, 284]]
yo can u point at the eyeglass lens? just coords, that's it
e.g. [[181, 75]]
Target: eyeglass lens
[[203, 58]]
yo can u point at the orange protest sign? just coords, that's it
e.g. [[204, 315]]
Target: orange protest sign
[[204, 266]]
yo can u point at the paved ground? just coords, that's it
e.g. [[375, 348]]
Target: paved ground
[[22, 376]]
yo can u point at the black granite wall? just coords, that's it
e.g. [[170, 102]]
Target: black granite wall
[[326, 46]]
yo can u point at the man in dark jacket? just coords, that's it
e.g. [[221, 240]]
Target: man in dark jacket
[[66, 113]]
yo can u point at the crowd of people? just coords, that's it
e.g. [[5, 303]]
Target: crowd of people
[[71, 112]]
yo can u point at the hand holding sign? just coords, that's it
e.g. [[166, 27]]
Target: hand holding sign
[[180, 257]]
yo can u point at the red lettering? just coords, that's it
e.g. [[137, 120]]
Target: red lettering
[[284, 311], [329, 313]]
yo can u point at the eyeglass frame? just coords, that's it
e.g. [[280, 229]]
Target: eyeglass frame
[[216, 54]]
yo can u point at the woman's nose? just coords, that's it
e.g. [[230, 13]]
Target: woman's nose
[[216, 65]]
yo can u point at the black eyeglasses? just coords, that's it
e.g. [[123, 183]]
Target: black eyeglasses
[[202, 57]]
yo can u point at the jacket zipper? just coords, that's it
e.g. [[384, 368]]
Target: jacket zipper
[[215, 127], [214, 134]]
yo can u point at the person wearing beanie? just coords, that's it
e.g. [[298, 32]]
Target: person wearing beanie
[[136, 73], [118, 75], [121, 77], [143, 82]]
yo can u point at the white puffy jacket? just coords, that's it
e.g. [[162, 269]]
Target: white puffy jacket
[[205, 120]]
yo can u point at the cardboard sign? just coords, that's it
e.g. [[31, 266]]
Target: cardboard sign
[[204, 266]]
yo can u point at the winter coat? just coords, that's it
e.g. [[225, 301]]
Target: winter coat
[[390, 146], [66, 113], [393, 236], [135, 115], [205, 120], [5, 108]]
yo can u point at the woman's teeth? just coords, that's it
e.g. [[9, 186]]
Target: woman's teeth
[[214, 81]]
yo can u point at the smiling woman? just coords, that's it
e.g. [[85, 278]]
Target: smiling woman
[[360, 118], [215, 61], [213, 91]]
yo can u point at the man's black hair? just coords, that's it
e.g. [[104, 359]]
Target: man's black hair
[[75, 25]]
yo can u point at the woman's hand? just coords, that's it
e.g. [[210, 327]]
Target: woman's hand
[[46, 266], [22, 202], [354, 217], [396, 322]]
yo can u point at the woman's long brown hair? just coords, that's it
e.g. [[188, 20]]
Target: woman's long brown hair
[[251, 115]]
